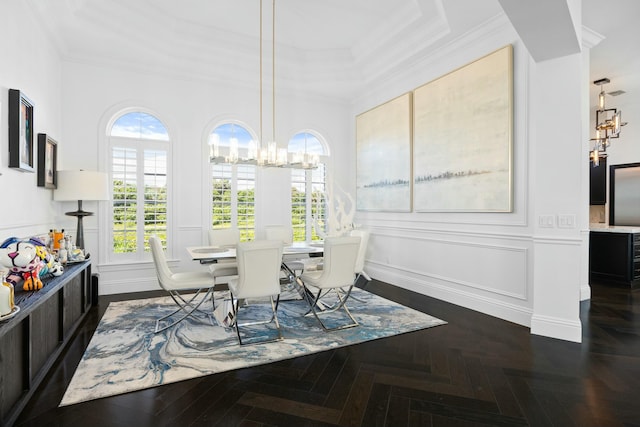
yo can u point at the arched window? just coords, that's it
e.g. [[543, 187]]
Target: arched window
[[140, 152], [233, 185], [307, 187]]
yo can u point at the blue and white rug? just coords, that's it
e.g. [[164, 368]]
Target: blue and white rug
[[125, 355]]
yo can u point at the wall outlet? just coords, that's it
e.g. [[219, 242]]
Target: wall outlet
[[546, 221], [567, 221]]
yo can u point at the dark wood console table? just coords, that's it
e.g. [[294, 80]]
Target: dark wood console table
[[31, 341]]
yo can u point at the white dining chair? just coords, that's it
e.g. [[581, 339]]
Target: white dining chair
[[283, 233], [222, 270], [229, 236], [336, 278], [195, 282], [258, 278], [362, 251]]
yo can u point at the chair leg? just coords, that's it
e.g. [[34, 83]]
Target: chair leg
[[355, 282], [187, 306], [274, 318], [185, 303], [341, 304]]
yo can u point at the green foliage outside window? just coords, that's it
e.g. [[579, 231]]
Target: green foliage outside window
[[125, 209], [221, 215]]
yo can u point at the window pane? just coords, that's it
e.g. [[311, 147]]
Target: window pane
[[155, 195], [299, 204], [221, 176], [139, 125], [246, 201], [305, 142], [223, 134], [318, 201], [125, 193]]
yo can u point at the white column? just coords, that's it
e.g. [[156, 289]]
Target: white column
[[558, 199]]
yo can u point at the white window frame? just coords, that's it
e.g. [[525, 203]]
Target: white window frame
[[309, 182], [208, 216], [140, 145]]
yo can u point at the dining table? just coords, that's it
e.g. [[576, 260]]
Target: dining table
[[213, 254]]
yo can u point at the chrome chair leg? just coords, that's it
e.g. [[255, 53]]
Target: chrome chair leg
[[342, 304], [186, 306], [274, 318]]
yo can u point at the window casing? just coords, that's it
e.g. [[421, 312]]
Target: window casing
[[139, 150]]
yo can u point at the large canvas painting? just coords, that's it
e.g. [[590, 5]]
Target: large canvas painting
[[463, 138], [383, 170]]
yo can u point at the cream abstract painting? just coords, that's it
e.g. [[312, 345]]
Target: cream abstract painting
[[462, 158], [383, 167]]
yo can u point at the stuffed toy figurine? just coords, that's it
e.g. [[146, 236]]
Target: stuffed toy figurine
[[27, 259]]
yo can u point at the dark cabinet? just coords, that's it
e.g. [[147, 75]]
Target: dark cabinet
[[614, 257], [598, 182], [32, 340]]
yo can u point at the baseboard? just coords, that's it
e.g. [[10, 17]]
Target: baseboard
[[585, 292], [554, 327], [128, 286]]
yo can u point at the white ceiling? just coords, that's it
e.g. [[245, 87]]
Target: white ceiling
[[331, 47]]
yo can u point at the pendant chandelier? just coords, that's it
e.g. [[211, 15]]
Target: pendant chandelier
[[608, 124], [261, 154]]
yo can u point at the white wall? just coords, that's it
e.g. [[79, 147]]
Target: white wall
[[502, 264], [189, 109], [30, 64]]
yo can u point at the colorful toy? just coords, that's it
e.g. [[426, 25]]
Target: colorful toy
[[27, 259]]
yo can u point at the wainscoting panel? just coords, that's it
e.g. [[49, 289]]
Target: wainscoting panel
[[492, 276], [494, 268]]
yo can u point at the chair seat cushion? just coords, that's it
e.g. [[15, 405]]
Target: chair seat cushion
[[312, 264], [190, 280], [225, 269], [311, 277], [294, 265]]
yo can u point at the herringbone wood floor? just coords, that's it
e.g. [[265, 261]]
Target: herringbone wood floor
[[475, 371]]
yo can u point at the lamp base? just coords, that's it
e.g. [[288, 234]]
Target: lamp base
[[80, 230]]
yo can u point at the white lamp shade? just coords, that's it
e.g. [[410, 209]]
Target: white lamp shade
[[81, 185]]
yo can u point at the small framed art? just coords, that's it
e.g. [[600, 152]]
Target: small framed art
[[21, 155], [47, 161]]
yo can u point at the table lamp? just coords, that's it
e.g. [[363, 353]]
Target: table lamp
[[81, 185]]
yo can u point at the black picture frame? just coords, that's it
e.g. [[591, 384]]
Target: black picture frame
[[21, 148], [47, 161]]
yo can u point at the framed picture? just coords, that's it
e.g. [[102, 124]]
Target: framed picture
[[383, 164], [462, 138], [21, 155], [47, 161]]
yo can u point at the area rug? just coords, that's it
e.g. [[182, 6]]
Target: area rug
[[125, 355]]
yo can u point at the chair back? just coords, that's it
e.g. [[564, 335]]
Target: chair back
[[224, 236], [259, 265], [160, 261], [362, 250], [279, 232], [340, 256]]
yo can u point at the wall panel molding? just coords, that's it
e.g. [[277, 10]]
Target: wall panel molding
[[519, 314], [489, 265]]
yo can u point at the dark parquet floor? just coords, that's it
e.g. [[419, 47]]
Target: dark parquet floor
[[474, 371]]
